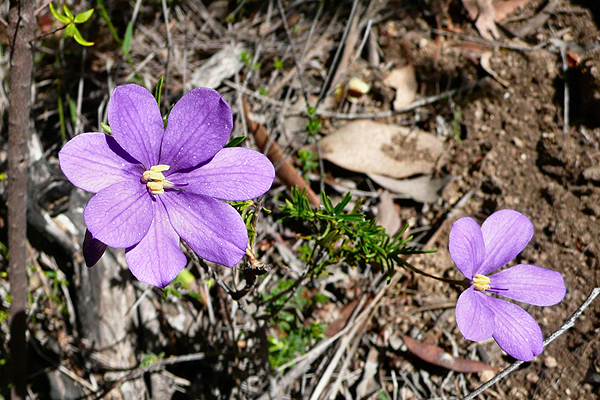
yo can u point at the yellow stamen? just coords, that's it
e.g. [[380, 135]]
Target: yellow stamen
[[155, 180], [481, 282]]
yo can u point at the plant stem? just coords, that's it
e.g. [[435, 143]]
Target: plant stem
[[21, 28]]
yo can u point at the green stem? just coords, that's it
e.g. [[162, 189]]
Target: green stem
[[464, 282]]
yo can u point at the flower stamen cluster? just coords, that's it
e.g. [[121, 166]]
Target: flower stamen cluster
[[481, 282], [155, 180]]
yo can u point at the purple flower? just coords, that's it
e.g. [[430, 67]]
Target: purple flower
[[477, 251], [156, 185]]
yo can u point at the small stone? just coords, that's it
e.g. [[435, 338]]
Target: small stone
[[550, 362], [532, 377], [592, 174]]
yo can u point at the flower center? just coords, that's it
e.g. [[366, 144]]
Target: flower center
[[155, 180], [481, 282]]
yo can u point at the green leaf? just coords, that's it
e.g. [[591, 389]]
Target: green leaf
[[84, 16], [105, 127], [106, 18], [158, 91], [235, 141], [71, 29], [127, 39], [68, 13], [79, 39], [57, 15]]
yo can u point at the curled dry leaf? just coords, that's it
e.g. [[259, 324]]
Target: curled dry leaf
[[404, 81], [371, 147], [484, 15], [436, 356], [223, 64], [486, 56], [424, 189]]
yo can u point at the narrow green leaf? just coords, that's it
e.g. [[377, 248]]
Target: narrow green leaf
[[106, 18], [235, 141], [68, 13], [79, 39], [61, 119], [127, 39], [73, 111], [84, 16], [158, 91], [106, 127], [57, 15]]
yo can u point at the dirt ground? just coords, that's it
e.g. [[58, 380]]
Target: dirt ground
[[515, 154], [507, 143]]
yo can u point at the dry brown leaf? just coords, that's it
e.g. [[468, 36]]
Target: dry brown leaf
[[436, 356], [404, 81], [424, 189], [371, 147], [503, 8], [387, 215], [484, 15], [486, 56], [345, 313]]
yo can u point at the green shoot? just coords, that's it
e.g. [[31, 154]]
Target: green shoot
[[71, 21]]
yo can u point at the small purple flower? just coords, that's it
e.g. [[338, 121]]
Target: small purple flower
[[477, 251], [156, 185]]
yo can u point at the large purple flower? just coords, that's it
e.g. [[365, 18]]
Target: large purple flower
[[156, 185], [477, 251]]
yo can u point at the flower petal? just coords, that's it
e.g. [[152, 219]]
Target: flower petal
[[136, 123], [198, 127], [474, 318], [530, 284], [505, 233], [94, 161], [157, 258], [212, 228], [516, 331], [466, 246], [232, 174], [93, 249], [120, 215]]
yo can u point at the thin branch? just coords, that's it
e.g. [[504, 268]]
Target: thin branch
[[22, 26], [565, 327]]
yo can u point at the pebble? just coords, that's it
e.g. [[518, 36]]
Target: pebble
[[550, 362]]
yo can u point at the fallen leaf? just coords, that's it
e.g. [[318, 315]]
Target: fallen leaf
[[387, 215], [503, 8], [404, 81], [368, 383], [424, 189], [486, 56], [345, 313], [220, 66], [436, 356], [484, 15], [371, 147]]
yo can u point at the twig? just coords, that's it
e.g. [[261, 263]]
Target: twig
[[169, 45], [565, 68], [22, 25], [564, 327], [338, 53], [482, 41]]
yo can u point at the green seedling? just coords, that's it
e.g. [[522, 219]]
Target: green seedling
[[71, 20]]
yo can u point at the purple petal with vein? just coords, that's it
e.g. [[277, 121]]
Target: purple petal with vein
[[232, 174], [212, 228], [530, 284], [136, 123], [120, 215], [505, 233], [198, 127], [157, 258], [466, 246], [474, 318], [94, 161], [516, 331]]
